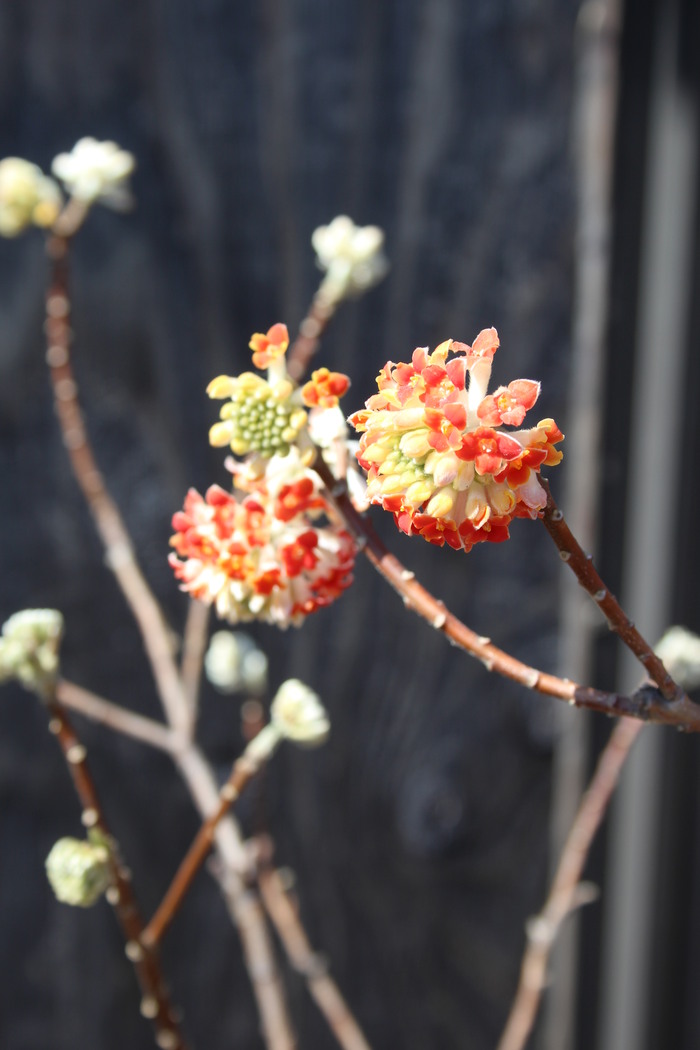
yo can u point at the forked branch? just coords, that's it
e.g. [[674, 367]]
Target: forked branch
[[648, 703]]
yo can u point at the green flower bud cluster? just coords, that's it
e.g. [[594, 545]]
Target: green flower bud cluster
[[79, 871], [29, 648], [259, 417], [261, 423], [408, 468]]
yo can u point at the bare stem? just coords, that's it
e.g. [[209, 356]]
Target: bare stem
[[194, 644], [285, 916], [311, 329], [542, 930], [242, 901], [155, 1003], [581, 564], [244, 769], [118, 547], [647, 703], [118, 718]]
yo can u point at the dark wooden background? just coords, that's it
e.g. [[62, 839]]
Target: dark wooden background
[[419, 833]]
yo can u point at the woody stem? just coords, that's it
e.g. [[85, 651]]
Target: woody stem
[[648, 703]]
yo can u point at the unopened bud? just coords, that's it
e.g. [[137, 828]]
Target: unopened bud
[[27, 197], [233, 663], [29, 648], [679, 649], [351, 256], [299, 715], [79, 871], [96, 171]]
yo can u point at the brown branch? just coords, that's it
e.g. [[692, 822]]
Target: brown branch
[[646, 704], [118, 718], [155, 1003], [311, 329], [542, 929], [119, 550], [581, 564], [244, 769], [307, 962]]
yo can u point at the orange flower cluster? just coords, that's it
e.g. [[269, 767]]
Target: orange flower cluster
[[435, 453]]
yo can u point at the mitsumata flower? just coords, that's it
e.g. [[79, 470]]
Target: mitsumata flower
[[265, 554], [435, 452], [267, 551]]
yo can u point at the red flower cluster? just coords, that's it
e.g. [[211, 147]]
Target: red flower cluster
[[264, 556]]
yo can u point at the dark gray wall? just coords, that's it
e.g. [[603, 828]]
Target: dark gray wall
[[419, 832]]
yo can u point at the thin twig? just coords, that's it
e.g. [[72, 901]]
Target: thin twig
[[118, 718], [646, 704], [119, 550], [244, 769], [542, 929], [285, 916], [242, 901], [155, 1003], [311, 329], [194, 644], [581, 564]]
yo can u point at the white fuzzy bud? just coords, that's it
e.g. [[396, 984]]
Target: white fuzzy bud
[[679, 649], [79, 871], [96, 171], [27, 197], [233, 663], [351, 256], [299, 715]]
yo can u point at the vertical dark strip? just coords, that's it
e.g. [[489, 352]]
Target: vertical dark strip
[[628, 196]]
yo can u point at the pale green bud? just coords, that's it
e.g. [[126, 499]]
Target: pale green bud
[[27, 197], [29, 648], [79, 871], [233, 663]]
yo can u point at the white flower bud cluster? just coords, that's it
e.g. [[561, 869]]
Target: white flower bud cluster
[[29, 648], [79, 871], [96, 171], [298, 714], [27, 197], [233, 663], [351, 256]]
